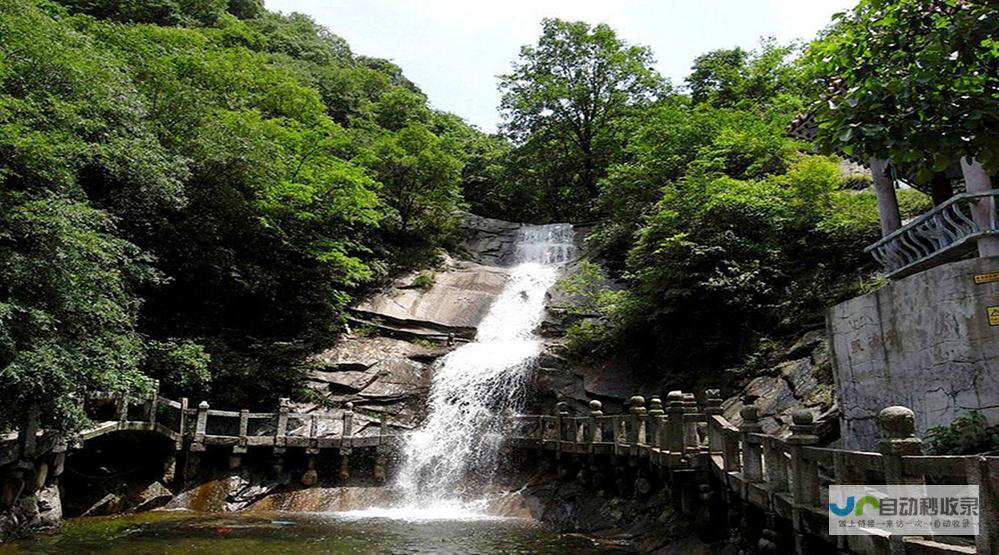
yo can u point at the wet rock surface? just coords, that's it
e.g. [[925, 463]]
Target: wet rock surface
[[616, 520], [383, 364]]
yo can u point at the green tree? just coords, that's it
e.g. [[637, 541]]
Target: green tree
[[571, 88], [421, 179], [736, 78], [911, 81]]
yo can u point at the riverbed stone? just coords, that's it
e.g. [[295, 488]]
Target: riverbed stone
[[109, 504], [151, 497], [49, 506]]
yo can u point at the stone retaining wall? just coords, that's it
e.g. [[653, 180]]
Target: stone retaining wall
[[924, 342]]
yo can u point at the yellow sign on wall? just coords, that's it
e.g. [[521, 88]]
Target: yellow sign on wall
[[993, 312], [987, 278]]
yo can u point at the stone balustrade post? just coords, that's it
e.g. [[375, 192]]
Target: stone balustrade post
[[121, 406], [655, 422], [580, 427], [182, 424], [59, 456], [804, 473], [200, 427], [346, 442], [731, 452], [381, 455], [281, 433], [244, 427], [898, 439], [596, 425], [238, 450], [636, 432], [561, 414], [752, 449], [712, 407], [690, 439], [984, 472], [149, 410], [775, 465], [674, 426], [805, 476]]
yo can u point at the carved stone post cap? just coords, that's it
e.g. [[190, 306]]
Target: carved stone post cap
[[655, 405], [636, 404], [750, 413], [596, 405], [897, 423], [712, 394], [675, 395], [801, 418], [350, 405], [203, 405], [802, 428], [283, 402]]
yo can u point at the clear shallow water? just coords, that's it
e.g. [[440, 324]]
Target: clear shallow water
[[298, 534]]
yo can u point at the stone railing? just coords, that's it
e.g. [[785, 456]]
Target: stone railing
[[787, 477], [193, 429], [940, 235]]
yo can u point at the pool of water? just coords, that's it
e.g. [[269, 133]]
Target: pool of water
[[299, 534]]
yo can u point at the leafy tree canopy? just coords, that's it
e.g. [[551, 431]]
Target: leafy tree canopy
[[566, 92], [913, 81], [194, 190]]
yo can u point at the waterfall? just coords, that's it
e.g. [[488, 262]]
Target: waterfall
[[449, 460]]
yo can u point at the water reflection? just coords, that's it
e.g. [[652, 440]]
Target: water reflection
[[299, 534]]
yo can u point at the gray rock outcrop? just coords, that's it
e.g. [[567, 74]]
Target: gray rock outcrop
[[383, 365]]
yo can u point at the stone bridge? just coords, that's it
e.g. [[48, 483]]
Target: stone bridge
[[32, 457], [774, 489]]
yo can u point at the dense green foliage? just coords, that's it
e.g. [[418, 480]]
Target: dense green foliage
[[192, 190], [913, 81], [722, 230]]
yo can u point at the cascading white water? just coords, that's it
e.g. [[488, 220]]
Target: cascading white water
[[453, 455]]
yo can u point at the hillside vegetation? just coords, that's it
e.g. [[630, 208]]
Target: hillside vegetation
[[195, 190]]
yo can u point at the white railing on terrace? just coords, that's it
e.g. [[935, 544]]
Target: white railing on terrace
[[940, 235]]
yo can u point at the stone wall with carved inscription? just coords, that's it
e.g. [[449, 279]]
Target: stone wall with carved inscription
[[926, 342]]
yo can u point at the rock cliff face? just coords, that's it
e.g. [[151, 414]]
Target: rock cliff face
[[383, 363]]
